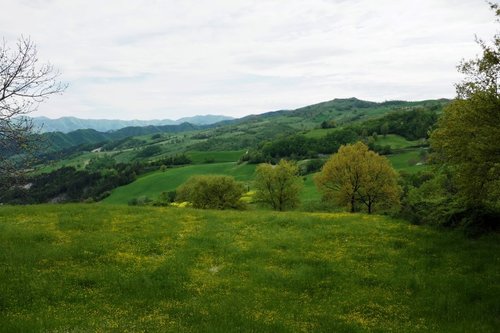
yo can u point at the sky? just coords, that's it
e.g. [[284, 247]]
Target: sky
[[125, 59]]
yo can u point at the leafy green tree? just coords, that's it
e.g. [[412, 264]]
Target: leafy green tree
[[357, 176], [467, 138], [278, 185], [328, 124], [384, 129], [211, 192]]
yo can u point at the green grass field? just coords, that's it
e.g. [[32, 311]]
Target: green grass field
[[396, 141], [151, 185], [407, 161], [81, 268]]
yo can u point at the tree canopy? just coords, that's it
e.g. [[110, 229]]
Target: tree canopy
[[278, 185], [356, 176], [211, 192], [467, 138]]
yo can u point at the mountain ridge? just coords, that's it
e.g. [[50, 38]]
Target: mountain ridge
[[70, 124]]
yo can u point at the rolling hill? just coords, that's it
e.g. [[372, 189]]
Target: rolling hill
[[250, 130], [69, 124]]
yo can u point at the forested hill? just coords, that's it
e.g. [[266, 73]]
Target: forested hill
[[58, 140], [254, 129], [250, 130], [344, 110]]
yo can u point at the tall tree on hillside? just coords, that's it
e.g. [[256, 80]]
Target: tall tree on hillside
[[356, 176], [278, 185], [24, 84], [467, 138]]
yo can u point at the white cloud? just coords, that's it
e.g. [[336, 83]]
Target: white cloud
[[169, 59]]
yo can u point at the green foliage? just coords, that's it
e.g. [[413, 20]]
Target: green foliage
[[384, 128], [412, 124], [100, 163], [278, 185], [328, 124], [431, 201], [58, 141], [68, 184], [178, 159], [467, 139], [356, 175], [297, 147], [311, 166], [199, 157], [140, 201], [152, 184], [211, 192], [149, 151]]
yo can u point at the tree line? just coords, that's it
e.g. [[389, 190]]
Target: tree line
[[412, 124], [93, 182]]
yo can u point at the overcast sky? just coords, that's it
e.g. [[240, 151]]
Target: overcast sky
[[175, 58]]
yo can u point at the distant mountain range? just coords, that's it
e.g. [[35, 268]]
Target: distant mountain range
[[240, 133], [69, 124]]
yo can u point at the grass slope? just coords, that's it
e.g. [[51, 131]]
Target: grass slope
[[106, 268], [153, 184], [407, 161], [396, 141]]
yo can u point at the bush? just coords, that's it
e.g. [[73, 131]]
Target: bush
[[140, 201], [211, 192], [149, 151], [165, 199], [311, 166]]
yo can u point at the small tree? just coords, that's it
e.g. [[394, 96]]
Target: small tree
[[24, 83], [278, 185], [356, 175], [384, 129], [211, 192]]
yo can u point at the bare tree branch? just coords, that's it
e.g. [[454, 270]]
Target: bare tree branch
[[24, 84]]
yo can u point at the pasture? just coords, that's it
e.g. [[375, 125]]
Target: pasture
[[80, 268]]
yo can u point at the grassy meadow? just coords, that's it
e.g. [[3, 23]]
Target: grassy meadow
[[396, 141], [151, 185], [80, 268]]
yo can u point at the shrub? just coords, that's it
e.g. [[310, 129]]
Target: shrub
[[211, 192]]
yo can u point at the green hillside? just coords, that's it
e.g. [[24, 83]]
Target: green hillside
[[250, 130], [153, 184], [397, 129], [87, 268], [57, 141]]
